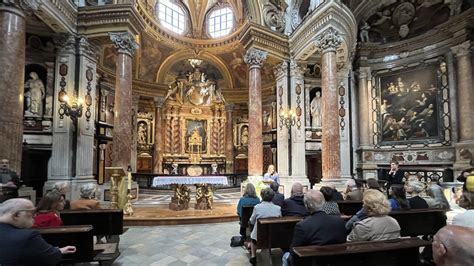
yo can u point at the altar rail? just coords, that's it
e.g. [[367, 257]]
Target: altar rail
[[145, 180]]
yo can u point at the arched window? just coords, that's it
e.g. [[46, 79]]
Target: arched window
[[171, 16], [221, 22]]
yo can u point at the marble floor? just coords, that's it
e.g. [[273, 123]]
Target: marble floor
[[201, 244]]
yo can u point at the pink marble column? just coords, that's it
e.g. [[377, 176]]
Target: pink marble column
[[254, 58], [123, 126], [465, 91], [158, 148], [327, 42], [12, 59], [229, 136], [363, 106]]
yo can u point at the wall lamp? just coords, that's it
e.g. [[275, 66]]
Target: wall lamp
[[70, 106]]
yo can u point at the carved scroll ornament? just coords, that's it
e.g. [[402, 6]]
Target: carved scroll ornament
[[329, 40], [124, 42], [255, 57]]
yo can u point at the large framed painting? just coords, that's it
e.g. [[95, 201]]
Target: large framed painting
[[411, 104], [196, 133]]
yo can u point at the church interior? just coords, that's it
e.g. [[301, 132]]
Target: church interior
[[170, 108]]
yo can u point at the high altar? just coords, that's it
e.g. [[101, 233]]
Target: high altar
[[194, 125]]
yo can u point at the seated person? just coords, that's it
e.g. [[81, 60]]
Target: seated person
[[47, 211], [20, 245], [62, 187], [318, 228], [436, 198], [453, 245], [352, 191], [337, 195], [398, 200], [9, 182], [372, 183], [264, 209], [413, 188], [271, 175], [278, 198], [378, 225], [294, 205], [249, 198], [87, 200], [329, 206], [467, 218]]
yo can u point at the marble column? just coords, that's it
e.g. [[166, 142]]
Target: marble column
[[283, 162], [12, 58], [363, 110], [158, 148], [327, 42], [254, 58], [298, 137], [229, 139], [134, 151], [465, 95], [123, 127]]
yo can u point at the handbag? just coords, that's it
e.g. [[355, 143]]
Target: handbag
[[236, 241]]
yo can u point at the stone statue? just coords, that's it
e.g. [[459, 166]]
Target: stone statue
[[214, 169], [364, 32], [174, 170], [315, 109], [244, 137], [34, 96], [175, 91], [142, 134]]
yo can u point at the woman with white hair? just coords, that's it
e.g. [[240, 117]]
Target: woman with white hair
[[87, 200], [62, 188], [436, 199], [413, 188]]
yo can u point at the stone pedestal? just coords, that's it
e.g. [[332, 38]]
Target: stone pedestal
[[12, 58], [123, 128], [327, 42], [254, 58]]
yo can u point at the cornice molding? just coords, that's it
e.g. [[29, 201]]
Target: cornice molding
[[258, 36], [59, 15]]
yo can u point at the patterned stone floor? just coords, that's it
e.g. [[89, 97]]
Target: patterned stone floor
[[203, 244]]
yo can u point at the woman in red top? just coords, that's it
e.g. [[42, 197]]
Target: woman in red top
[[48, 208]]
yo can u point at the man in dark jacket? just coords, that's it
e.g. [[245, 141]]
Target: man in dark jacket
[[10, 182], [21, 245], [318, 228], [294, 206], [278, 198]]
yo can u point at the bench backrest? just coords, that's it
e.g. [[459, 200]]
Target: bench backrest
[[402, 251], [247, 211], [349, 207], [104, 221], [276, 232], [79, 236], [420, 221]]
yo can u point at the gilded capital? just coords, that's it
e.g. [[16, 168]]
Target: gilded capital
[[124, 42], [255, 57], [462, 49], [328, 41], [281, 69], [296, 69]]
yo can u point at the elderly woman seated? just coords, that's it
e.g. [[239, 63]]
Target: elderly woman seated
[[87, 200], [436, 198], [47, 211], [378, 225], [413, 188]]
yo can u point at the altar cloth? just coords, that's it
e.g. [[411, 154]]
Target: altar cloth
[[189, 180]]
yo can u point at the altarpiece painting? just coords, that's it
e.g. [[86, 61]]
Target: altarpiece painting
[[409, 105], [196, 134]]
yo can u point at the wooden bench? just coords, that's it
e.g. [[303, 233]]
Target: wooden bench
[[276, 232], [403, 251], [104, 221], [79, 236], [247, 211], [349, 207], [419, 222]]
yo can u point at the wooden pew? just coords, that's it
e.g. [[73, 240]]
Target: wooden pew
[[247, 211], [104, 221], [349, 207], [403, 251], [276, 232], [420, 221], [79, 236]]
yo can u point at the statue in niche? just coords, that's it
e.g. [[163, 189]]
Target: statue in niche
[[364, 32], [142, 134], [244, 136], [315, 108], [34, 96]]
